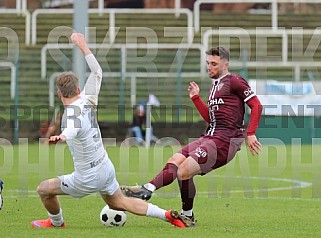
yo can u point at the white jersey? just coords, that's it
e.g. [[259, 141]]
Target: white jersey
[[79, 124]]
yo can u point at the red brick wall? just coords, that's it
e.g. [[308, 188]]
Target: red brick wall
[[8, 3], [159, 4]]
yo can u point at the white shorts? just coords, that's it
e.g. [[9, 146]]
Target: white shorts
[[102, 180]]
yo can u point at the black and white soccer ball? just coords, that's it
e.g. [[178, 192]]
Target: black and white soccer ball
[[112, 218]]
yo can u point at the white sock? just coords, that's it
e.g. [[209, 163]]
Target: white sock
[[188, 213], [56, 220], [150, 187], [155, 211]]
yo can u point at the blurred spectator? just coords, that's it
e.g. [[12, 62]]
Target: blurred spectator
[[138, 125], [49, 128]]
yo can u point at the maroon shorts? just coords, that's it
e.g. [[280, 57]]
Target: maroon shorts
[[211, 152]]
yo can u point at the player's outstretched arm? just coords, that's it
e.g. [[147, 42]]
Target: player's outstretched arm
[[79, 40], [92, 86]]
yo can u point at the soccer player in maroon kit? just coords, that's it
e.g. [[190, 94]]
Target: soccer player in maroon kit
[[224, 112]]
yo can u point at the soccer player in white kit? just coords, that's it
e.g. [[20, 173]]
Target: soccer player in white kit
[[94, 172]]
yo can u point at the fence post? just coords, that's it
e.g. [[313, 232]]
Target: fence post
[[179, 84], [133, 90], [123, 56], [80, 23], [244, 57], [177, 7], [148, 132], [16, 102]]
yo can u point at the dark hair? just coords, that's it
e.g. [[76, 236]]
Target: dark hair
[[219, 51]]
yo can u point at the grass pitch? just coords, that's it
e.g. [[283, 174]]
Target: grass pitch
[[276, 194]]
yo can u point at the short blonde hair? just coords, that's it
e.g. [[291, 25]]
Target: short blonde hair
[[67, 84]]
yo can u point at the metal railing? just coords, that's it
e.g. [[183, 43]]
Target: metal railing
[[22, 5], [21, 8], [284, 62], [58, 3], [112, 20], [12, 67], [274, 8], [27, 24], [244, 36], [123, 48], [123, 74], [132, 75]]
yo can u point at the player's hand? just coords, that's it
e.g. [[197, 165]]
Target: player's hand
[[57, 138], [78, 39], [254, 145], [193, 89]]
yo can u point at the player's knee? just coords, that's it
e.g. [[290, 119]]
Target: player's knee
[[41, 189], [171, 160], [182, 173], [177, 159]]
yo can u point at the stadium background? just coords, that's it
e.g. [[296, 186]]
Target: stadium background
[[177, 118]]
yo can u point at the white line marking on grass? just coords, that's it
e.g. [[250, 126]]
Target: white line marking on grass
[[14, 193], [296, 184]]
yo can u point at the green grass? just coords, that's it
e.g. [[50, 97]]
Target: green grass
[[250, 197]]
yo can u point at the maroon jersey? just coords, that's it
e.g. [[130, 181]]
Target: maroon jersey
[[226, 106]]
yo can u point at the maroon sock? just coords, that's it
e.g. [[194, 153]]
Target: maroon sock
[[166, 176], [188, 192]]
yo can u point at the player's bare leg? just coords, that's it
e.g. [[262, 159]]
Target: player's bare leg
[[48, 191]]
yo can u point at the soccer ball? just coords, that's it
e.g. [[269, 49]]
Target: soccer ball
[[112, 218]]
